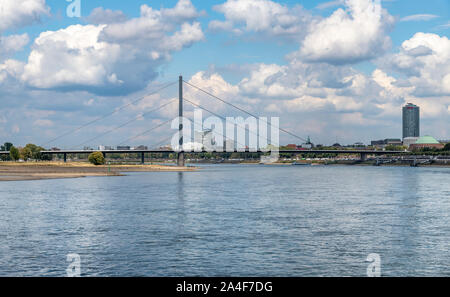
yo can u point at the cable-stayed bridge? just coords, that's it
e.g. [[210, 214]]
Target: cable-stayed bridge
[[181, 152]]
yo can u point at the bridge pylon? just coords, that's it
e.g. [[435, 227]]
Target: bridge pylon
[[180, 159]]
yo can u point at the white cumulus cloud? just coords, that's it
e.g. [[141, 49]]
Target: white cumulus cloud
[[19, 13], [425, 61], [261, 16], [106, 16], [13, 43], [350, 35], [10, 70], [115, 58]]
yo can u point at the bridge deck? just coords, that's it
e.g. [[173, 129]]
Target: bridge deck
[[369, 152]]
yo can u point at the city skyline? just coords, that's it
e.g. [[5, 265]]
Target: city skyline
[[270, 62], [206, 136]]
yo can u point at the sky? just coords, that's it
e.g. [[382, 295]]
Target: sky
[[337, 71]]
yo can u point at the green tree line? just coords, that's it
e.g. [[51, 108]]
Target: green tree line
[[28, 152]]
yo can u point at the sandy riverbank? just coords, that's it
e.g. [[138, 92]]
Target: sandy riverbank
[[10, 171]]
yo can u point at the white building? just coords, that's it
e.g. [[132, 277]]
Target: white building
[[407, 141]]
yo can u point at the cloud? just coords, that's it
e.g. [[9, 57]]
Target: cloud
[[418, 17], [15, 129], [445, 26], [213, 83], [89, 102], [116, 58], [349, 35], [261, 16], [10, 72], [19, 13], [182, 12], [329, 4], [315, 92], [13, 43], [72, 57], [106, 16], [43, 123], [315, 99], [425, 61], [293, 87], [322, 99], [277, 90]]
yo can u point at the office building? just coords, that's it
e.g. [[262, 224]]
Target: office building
[[411, 120]]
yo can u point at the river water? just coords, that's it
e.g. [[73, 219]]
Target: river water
[[231, 220]]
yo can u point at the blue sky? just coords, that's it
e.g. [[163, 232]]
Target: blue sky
[[201, 55], [329, 69]]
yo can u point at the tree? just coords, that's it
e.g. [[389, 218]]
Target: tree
[[14, 153], [97, 158], [25, 153], [447, 147], [6, 147], [35, 151], [392, 147]]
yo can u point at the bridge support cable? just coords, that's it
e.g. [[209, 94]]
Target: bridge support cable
[[243, 110], [223, 118], [126, 123], [243, 145], [156, 146], [110, 114], [145, 132]]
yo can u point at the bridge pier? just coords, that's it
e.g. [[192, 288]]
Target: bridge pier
[[142, 158], [363, 157], [180, 161], [65, 158]]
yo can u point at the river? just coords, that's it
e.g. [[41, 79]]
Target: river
[[231, 220]]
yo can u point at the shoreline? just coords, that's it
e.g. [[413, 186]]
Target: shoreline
[[11, 171], [335, 163]]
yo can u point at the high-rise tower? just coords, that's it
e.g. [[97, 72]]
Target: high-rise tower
[[411, 120]]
